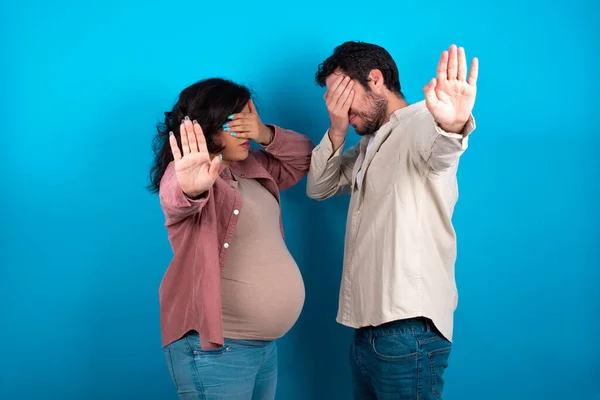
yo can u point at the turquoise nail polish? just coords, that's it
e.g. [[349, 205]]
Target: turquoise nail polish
[[225, 125], [233, 134], [226, 129], [230, 117], [220, 157]]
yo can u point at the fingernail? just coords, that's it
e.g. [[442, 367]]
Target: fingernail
[[195, 122], [220, 157], [170, 133], [230, 117], [233, 134], [225, 125], [226, 129], [187, 118]]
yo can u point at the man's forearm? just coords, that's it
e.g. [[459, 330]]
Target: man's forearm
[[329, 168], [337, 139]]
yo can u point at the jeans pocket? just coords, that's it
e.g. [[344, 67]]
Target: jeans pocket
[[395, 347], [213, 352], [199, 353], [193, 342], [438, 362]]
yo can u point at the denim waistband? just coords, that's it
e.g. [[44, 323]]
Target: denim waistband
[[248, 343], [419, 324]]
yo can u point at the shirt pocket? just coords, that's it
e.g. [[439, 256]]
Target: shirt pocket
[[381, 175]]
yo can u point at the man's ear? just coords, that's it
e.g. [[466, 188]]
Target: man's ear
[[376, 82]]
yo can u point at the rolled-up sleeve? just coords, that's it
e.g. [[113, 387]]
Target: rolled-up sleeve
[[438, 148], [330, 172]]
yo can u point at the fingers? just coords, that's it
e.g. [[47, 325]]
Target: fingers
[[213, 170], [453, 66], [184, 138], [241, 116], [345, 93], [343, 102], [442, 69], [333, 87], [200, 139], [452, 63], [429, 91], [251, 106], [337, 96], [174, 147], [474, 72], [241, 125], [191, 135], [462, 64], [348, 103], [240, 129], [249, 134], [342, 87]]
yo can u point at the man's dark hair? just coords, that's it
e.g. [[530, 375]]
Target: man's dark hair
[[357, 60]]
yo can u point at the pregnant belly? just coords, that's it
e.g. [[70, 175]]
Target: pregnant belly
[[262, 304]]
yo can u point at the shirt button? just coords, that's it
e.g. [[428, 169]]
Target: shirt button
[[236, 212], [226, 245]]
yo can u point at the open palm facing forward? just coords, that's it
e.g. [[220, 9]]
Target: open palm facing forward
[[449, 96], [195, 170]]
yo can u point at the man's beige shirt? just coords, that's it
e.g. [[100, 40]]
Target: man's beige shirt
[[400, 246]]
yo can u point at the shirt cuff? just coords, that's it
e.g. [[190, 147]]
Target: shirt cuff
[[277, 139], [461, 137], [184, 200]]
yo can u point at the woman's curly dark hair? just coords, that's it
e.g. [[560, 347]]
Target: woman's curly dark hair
[[210, 102]]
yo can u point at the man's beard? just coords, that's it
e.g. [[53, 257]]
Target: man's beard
[[376, 117]]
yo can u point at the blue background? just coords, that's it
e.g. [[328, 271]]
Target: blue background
[[83, 246]]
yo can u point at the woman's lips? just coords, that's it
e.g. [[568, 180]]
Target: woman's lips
[[246, 145]]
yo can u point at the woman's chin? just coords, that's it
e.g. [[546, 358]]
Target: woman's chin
[[239, 155]]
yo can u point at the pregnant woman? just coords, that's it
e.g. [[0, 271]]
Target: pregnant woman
[[232, 287]]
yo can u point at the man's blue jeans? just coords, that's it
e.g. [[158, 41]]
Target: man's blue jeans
[[240, 370], [400, 360]]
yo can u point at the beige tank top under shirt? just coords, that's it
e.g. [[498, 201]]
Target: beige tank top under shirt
[[262, 290]]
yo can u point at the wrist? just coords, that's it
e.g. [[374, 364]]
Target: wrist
[[337, 134], [457, 127], [266, 135], [338, 131], [195, 195], [337, 139]]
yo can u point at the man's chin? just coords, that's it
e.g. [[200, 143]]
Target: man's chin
[[360, 132]]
